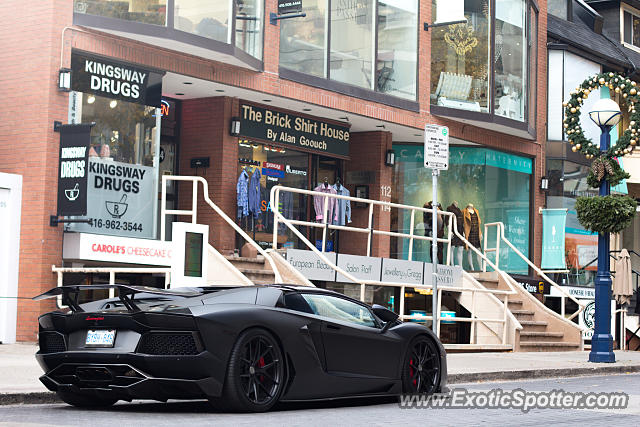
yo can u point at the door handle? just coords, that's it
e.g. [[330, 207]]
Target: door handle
[[334, 327]]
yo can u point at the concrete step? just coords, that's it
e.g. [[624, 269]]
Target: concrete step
[[248, 263], [259, 277], [533, 325], [548, 346], [522, 313], [529, 336], [517, 302]]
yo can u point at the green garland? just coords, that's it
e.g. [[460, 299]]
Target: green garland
[[606, 214], [630, 95]]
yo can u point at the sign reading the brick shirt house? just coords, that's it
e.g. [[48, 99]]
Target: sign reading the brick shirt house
[[302, 132], [289, 6], [73, 169], [115, 80]]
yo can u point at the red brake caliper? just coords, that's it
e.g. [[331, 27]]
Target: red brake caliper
[[411, 371], [260, 365]]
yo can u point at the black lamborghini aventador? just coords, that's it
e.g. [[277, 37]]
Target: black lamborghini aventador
[[242, 348]]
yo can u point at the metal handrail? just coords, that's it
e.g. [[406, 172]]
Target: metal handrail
[[500, 236], [278, 217], [194, 211]]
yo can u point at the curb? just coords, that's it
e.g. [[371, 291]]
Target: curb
[[540, 373], [42, 397]]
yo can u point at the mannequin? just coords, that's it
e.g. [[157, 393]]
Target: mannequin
[[473, 233], [456, 243]]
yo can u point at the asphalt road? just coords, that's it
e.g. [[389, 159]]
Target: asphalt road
[[352, 413]]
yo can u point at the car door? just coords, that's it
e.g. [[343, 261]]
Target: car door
[[353, 342]]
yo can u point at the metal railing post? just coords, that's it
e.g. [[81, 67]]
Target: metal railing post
[[163, 207], [112, 281], [413, 217], [194, 203], [438, 318], [275, 218], [401, 308], [370, 239], [449, 239], [504, 319], [325, 222], [472, 338]]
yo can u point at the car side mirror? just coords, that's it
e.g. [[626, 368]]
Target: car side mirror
[[384, 313], [386, 327]]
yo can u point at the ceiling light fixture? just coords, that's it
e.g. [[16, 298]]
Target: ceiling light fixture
[[187, 83], [266, 100], [179, 94]]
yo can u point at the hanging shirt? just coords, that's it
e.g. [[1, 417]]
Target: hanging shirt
[[319, 204], [343, 207], [241, 191], [254, 193]]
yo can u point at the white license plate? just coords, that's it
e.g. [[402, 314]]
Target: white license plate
[[100, 338]]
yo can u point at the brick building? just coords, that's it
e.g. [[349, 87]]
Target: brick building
[[367, 67]]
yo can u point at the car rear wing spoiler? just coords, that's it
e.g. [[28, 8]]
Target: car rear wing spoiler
[[126, 294]]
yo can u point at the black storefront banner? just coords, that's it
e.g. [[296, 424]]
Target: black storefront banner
[[302, 132], [289, 6], [533, 285], [115, 80], [73, 169]]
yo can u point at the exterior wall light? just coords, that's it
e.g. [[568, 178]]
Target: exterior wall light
[[544, 183], [390, 158], [235, 126], [64, 80]]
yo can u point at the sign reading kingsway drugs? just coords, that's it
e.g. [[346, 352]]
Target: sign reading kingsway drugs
[[114, 80], [120, 199]]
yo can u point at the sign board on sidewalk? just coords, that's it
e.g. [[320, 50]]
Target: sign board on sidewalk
[[436, 147], [587, 317], [190, 248]]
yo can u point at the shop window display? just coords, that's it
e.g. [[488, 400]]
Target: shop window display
[[260, 168], [145, 11], [497, 188]]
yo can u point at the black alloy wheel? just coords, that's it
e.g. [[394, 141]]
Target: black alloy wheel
[[421, 370], [255, 377]]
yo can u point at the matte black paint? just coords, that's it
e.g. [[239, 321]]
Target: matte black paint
[[325, 358]]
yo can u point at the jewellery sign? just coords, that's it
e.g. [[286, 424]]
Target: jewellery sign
[[119, 199], [114, 80], [553, 228], [72, 170], [301, 132]]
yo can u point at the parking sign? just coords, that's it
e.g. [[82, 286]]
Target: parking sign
[[436, 147]]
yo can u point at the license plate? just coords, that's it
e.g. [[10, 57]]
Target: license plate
[[100, 338]]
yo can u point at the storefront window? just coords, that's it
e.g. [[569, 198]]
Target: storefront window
[[358, 41], [559, 8], [496, 185], [123, 167], [249, 27], [146, 11], [269, 166], [352, 32], [510, 59], [460, 60], [397, 46], [303, 40], [204, 18]]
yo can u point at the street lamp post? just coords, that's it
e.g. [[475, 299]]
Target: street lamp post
[[605, 114]]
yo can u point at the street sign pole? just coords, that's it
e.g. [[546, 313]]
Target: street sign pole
[[434, 251], [436, 158]]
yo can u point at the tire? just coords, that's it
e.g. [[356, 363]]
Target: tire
[[255, 375], [421, 367], [84, 401]]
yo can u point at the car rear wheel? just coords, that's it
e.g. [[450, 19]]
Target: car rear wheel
[[421, 369], [84, 401], [255, 377]]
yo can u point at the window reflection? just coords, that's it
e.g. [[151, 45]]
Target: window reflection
[[205, 18], [351, 58], [460, 60], [558, 8], [510, 59], [146, 11], [249, 27], [397, 48], [303, 40], [123, 131]]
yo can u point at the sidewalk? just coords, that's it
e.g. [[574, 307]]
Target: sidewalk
[[19, 370]]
